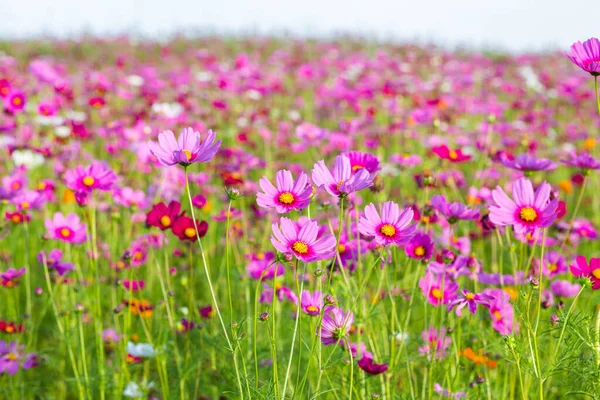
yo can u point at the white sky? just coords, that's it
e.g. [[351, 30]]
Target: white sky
[[509, 24]]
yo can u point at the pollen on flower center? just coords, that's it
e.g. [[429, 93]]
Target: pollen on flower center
[[528, 214], [341, 248], [387, 230], [88, 181], [165, 220], [300, 247], [312, 309], [11, 356], [357, 167], [189, 232], [437, 293], [552, 267], [65, 232], [469, 296], [25, 205], [17, 101], [339, 184], [452, 155], [419, 251], [596, 273], [286, 198], [188, 154], [497, 315]]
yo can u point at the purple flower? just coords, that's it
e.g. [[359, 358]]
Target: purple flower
[[96, 176], [419, 247], [341, 181], [367, 365], [335, 325], [528, 211], [583, 161], [468, 299], [67, 229], [458, 267], [53, 261], [392, 227], [311, 303], [528, 163], [453, 211], [302, 242], [12, 357], [446, 393], [497, 279], [586, 55], [9, 277], [501, 311], [554, 264], [564, 289], [186, 150], [288, 195]]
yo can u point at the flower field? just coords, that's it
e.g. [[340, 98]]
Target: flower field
[[276, 219]]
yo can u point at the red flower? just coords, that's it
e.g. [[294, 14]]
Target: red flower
[[163, 217], [17, 217], [367, 365], [454, 156], [184, 229]]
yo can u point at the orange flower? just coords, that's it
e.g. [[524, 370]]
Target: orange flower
[[478, 358]]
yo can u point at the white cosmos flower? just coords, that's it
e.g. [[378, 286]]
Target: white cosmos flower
[[140, 349], [135, 80], [62, 131], [28, 158], [134, 390]]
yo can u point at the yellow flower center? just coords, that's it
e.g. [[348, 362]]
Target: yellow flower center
[[452, 155], [17, 101], [596, 273], [25, 205], [341, 248], [497, 315], [387, 230], [65, 232], [88, 181], [165, 220], [357, 167], [552, 267], [300, 247], [312, 309], [11, 356], [189, 232], [260, 256], [286, 198], [469, 296], [16, 185], [9, 329], [528, 214], [188, 154], [437, 293], [419, 251]]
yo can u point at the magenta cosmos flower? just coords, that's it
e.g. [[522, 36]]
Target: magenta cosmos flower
[[301, 241], [96, 176], [288, 195], [438, 289], [586, 55], [360, 160], [341, 181], [68, 229], [453, 212], [581, 268], [528, 211], [336, 325], [420, 247], [392, 227], [311, 303], [186, 150]]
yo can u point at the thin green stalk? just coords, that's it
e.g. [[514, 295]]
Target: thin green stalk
[[212, 290]]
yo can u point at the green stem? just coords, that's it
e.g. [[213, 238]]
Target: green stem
[[212, 290], [597, 94]]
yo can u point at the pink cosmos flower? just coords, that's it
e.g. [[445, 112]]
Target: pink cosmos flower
[[501, 311], [340, 182], [454, 156], [288, 195], [581, 268], [54, 261], [586, 55], [263, 265], [392, 227], [467, 299], [436, 343], [360, 160], [96, 176], [186, 150], [564, 289], [453, 211], [133, 285], [302, 242], [67, 229], [528, 211], [336, 325], [15, 101], [419, 247], [311, 303], [439, 290]]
